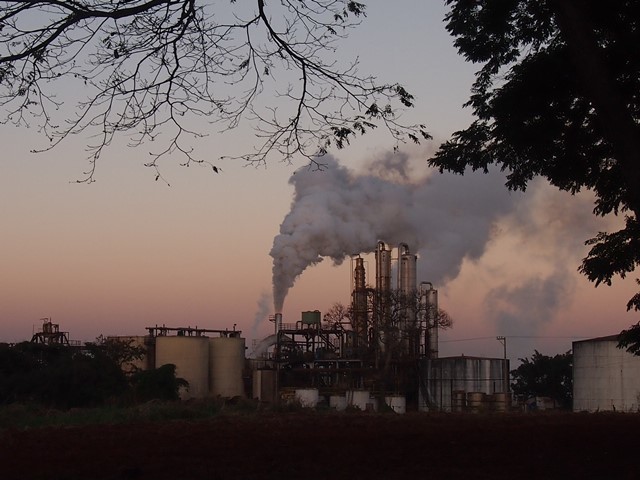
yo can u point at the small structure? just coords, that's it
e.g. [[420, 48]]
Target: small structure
[[605, 377], [50, 334]]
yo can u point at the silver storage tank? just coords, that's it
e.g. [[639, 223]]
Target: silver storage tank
[[226, 362], [190, 355]]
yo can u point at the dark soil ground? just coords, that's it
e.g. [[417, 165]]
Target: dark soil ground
[[332, 446]]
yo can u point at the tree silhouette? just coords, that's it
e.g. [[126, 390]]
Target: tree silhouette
[[545, 376], [558, 96]]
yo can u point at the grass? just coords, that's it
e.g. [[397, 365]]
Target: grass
[[23, 416]]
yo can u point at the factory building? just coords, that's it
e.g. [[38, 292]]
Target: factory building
[[605, 378]]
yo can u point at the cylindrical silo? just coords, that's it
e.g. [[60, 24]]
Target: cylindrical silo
[[190, 355], [226, 362]]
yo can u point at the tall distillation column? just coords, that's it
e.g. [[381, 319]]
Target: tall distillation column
[[382, 307], [407, 288], [429, 299], [359, 304]]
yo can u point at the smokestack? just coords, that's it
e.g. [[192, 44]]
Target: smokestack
[[359, 303], [278, 322], [407, 265], [429, 296]]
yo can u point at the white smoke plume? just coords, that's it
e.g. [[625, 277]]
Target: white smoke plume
[[261, 313], [336, 213]]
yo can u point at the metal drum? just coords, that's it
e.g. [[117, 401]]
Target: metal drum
[[475, 401], [458, 401]]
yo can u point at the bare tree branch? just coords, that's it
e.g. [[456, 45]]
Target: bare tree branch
[[148, 69]]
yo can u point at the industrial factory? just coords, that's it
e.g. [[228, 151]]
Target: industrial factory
[[379, 352], [382, 350]]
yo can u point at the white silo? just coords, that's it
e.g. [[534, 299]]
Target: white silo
[[359, 303], [605, 377], [226, 363], [190, 355]]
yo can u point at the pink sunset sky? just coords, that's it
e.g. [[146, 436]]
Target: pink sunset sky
[[127, 252]]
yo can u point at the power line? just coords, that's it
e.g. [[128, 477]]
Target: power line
[[551, 337]]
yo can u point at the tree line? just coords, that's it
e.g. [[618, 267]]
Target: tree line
[[61, 376]]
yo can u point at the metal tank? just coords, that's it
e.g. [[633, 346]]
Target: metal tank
[[226, 362], [605, 377], [190, 355], [383, 268], [407, 266], [311, 318]]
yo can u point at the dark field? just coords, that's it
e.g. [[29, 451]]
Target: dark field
[[332, 446]]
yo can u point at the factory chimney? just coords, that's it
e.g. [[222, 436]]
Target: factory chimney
[[359, 304], [429, 300], [381, 311], [407, 289]]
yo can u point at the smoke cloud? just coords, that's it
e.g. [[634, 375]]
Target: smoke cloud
[[336, 213], [262, 312], [553, 225]]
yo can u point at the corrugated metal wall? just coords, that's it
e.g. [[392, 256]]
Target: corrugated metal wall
[[605, 378], [441, 377]]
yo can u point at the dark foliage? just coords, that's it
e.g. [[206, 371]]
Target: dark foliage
[[558, 96], [545, 376], [66, 377], [158, 384]]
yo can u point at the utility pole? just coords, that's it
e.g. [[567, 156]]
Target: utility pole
[[505, 374]]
